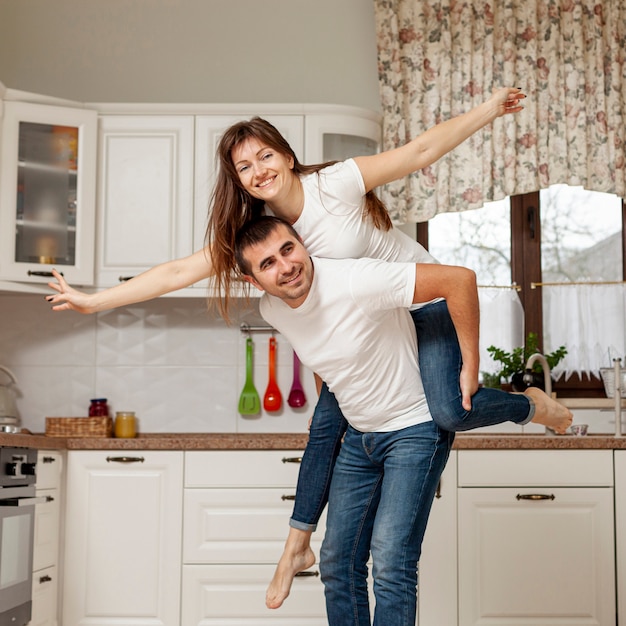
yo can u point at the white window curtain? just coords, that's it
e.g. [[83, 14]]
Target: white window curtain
[[501, 323], [439, 59], [589, 320]]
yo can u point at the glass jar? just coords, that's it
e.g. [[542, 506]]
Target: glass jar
[[125, 424], [98, 408]]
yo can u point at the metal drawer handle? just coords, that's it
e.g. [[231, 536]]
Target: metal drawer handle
[[534, 496], [123, 279], [45, 579], [307, 574], [292, 459], [286, 497], [48, 459], [125, 459]]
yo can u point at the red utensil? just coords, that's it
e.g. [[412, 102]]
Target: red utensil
[[296, 395], [272, 400]]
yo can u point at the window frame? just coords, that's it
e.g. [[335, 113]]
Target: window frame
[[526, 269]]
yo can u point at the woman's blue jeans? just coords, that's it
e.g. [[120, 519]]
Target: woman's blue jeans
[[380, 498], [440, 367]]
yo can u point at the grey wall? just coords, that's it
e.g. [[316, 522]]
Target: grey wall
[[191, 50]]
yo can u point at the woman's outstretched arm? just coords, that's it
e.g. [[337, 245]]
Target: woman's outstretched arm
[[385, 167], [156, 281]]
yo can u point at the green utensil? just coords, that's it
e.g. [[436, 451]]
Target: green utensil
[[249, 400]]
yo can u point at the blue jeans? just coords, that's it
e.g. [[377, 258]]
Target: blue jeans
[[380, 498], [440, 367]]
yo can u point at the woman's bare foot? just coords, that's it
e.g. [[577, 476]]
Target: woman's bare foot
[[289, 565], [549, 412]]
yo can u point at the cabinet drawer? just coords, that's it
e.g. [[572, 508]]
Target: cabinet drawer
[[49, 468], [235, 594], [45, 585], [249, 468], [535, 468], [47, 526], [238, 525]]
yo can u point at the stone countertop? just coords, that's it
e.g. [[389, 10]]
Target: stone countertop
[[282, 441]]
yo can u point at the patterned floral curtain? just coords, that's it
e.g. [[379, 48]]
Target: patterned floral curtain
[[440, 58]]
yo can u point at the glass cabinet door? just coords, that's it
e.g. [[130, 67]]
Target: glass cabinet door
[[48, 193]]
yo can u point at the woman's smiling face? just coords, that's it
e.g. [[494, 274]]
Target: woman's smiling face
[[263, 171]]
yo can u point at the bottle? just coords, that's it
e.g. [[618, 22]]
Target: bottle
[[98, 407], [125, 424]]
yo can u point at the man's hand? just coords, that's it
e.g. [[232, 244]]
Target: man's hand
[[469, 386]]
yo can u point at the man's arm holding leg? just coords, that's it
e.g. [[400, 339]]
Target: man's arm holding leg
[[458, 286]]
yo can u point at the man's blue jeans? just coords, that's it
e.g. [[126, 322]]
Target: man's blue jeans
[[381, 494], [440, 366]]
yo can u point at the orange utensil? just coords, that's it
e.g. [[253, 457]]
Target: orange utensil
[[272, 400]]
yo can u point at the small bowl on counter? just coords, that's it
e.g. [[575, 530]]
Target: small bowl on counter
[[579, 430]]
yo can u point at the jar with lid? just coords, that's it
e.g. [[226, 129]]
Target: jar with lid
[[125, 425], [98, 408]]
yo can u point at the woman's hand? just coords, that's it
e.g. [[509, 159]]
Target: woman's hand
[[507, 100], [67, 298]]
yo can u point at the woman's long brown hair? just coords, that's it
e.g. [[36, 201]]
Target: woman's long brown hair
[[231, 206]]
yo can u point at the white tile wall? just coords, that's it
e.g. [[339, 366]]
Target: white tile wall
[[180, 367]]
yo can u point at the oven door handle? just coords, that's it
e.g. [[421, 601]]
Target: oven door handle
[[23, 501]]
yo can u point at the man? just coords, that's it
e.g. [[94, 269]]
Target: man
[[348, 321]]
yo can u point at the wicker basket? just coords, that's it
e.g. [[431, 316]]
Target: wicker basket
[[608, 378], [79, 426]]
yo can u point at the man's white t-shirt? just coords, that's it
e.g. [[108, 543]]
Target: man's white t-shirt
[[354, 330]]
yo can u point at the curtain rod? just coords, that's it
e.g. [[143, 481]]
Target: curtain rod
[[513, 286], [589, 282]]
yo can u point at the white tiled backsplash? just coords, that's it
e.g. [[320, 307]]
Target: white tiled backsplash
[[180, 367]]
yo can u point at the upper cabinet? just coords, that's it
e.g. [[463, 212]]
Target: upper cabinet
[[128, 187], [145, 193], [47, 192]]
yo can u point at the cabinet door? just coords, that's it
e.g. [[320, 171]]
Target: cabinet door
[[45, 588], [145, 193], [209, 130], [47, 192], [536, 556], [620, 538], [336, 137], [122, 549], [438, 562], [235, 595], [47, 527]]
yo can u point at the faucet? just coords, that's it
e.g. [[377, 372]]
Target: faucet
[[547, 380]]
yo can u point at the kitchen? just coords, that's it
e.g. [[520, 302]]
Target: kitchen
[[178, 367]]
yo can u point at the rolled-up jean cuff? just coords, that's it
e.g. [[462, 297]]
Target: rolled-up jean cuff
[[531, 412], [302, 525]]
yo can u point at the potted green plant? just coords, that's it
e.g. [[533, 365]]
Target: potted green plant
[[513, 364]]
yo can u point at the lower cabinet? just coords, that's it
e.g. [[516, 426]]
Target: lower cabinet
[[237, 506], [122, 547], [47, 536], [536, 538], [620, 537]]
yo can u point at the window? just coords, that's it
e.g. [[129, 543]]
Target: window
[[560, 234]]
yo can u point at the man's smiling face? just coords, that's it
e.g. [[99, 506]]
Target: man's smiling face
[[281, 266]]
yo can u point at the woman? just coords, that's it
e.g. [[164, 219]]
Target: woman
[[336, 213]]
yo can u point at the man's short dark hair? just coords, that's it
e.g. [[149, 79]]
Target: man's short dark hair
[[255, 231]]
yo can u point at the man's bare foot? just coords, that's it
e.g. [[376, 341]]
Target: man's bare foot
[[289, 565], [549, 412]]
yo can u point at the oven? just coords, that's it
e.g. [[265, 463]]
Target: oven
[[17, 525]]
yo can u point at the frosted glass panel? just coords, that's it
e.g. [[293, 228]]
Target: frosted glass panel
[[338, 147]]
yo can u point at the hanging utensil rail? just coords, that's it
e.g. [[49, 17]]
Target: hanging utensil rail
[[246, 328]]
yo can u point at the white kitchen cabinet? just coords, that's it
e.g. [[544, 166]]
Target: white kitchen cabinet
[[620, 538], [536, 538], [46, 538], [236, 514], [338, 136], [437, 570], [145, 193], [122, 548], [47, 192]]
